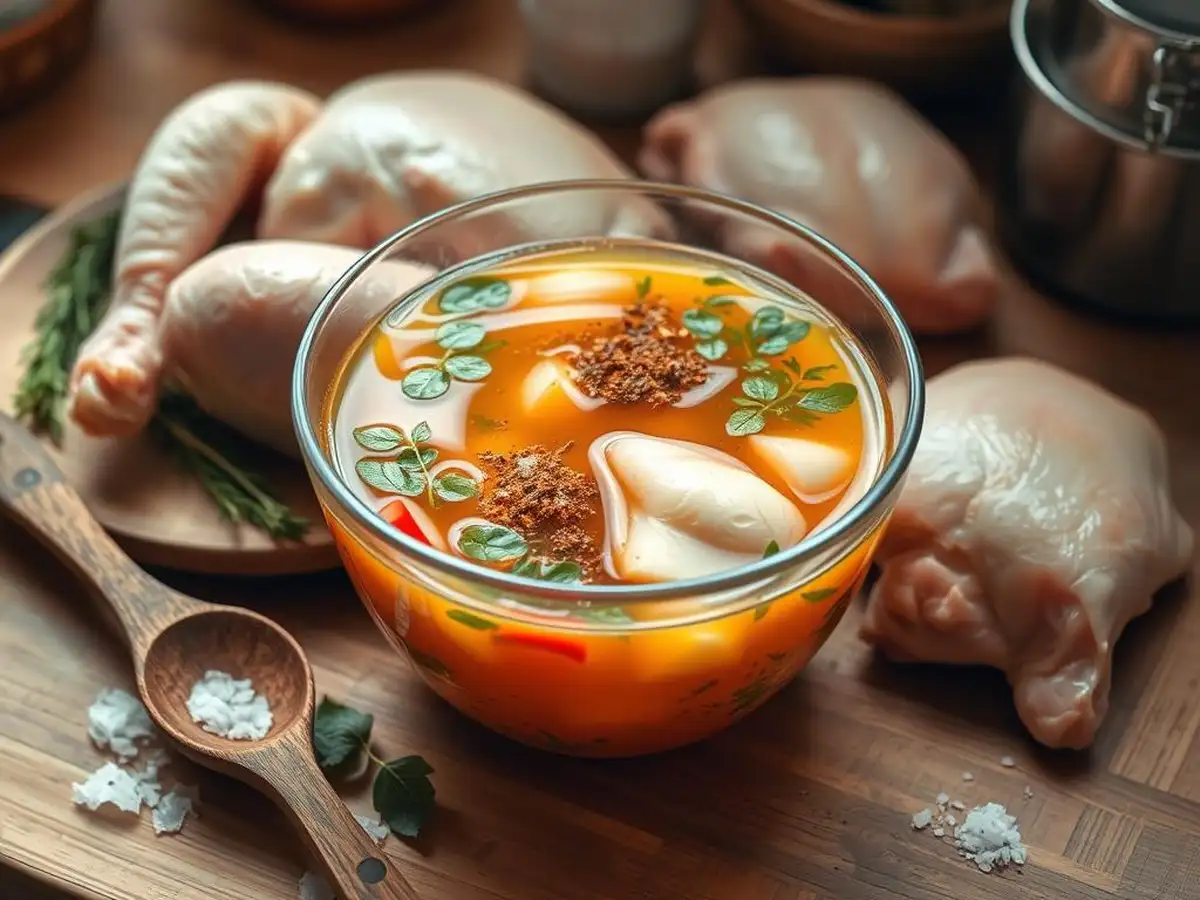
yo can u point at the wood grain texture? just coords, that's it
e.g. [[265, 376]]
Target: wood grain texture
[[173, 640], [809, 798]]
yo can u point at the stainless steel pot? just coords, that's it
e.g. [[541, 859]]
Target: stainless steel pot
[[1100, 196]]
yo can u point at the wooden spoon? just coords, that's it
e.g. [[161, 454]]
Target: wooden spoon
[[173, 640]]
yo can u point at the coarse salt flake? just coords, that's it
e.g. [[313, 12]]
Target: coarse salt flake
[[376, 830], [957, 804], [943, 799], [173, 808], [1008, 762], [229, 707], [967, 776], [990, 838], [109, 784], [314, 887], [1028, 793], [922, 819], [117, 720]]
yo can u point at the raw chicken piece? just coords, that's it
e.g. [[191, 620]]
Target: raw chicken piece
[[233, 322], [852, 161], [675, 509], [206, 158], [390, 149], [1034, 525]]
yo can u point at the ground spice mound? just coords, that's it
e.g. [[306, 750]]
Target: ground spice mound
[[646, 362], [536, 494]]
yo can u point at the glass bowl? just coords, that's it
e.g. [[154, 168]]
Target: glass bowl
[[613, 670]]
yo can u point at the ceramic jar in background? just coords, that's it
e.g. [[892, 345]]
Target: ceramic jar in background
[[613, 59]]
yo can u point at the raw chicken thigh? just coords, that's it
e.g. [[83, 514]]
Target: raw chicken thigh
[[233, 322], [206, 158], [852, 161], [390, 149], [1034, 525]]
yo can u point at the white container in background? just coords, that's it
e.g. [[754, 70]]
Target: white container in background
[[612, 58]]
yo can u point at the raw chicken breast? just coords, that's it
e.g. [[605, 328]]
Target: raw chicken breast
[[852, 161], [206, 158], [233, 322], [390, 149], [675, 509], [1035, 523]]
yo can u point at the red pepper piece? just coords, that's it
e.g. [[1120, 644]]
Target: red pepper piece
[[571, 649], [398, 515]]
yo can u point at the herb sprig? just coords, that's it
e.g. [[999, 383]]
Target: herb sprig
[[78, 293], [402, 792], [709, 329], [787, 397], [490, 543], [455, 338], [407, 472]]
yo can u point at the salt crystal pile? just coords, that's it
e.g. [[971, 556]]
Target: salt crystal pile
[[314, 887], [172, 809], [990, 838], [117, 720], [112, 785], [376, 830], [229, 707]]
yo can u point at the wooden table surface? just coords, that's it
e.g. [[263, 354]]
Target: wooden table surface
[[810, 797]]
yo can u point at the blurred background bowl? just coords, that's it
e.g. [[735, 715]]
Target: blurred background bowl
[[344, 12], [913, 53], [41, 41]]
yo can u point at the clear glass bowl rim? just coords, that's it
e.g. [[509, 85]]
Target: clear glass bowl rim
[[366, 518]]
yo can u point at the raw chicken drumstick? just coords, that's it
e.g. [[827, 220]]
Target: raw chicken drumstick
[[855, 163], [390, 149], [233, 321], [204, 161], [1035, 523]]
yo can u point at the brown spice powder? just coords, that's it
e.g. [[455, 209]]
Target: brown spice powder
[[646, 362], [536, 494]]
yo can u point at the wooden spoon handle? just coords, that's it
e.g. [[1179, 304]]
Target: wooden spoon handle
[[34, 492], [355, 866]]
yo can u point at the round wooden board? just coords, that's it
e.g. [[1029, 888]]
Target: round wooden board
[[158, 513]]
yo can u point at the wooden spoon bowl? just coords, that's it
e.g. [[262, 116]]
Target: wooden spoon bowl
[[173, 640]]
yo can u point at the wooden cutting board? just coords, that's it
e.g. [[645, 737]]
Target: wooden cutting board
[[811, 797]]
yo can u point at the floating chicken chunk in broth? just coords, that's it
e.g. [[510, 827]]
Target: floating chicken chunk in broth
[[613, 416]]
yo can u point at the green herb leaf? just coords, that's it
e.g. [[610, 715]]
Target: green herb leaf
[[488, 346], [454, 488], [718, 301], [460, 335], [404, 796], [643, 287], [756, 365], [339, 733], [479, 623], [766, 322], [772, 549], [831, 399], [491, 543], [421, 433], [417, 460], [774, 345], [702, 324], [761, 610], [751, 404], [389, 477], [604, 615], [714, 280], [712, 350], [793, 366], [818, 595], [468, 368], [797, 415], [426, 383], [565, 572], [378, 438], [474, 294], [760, 388], [744, 422], [817, 373], [487, 423]]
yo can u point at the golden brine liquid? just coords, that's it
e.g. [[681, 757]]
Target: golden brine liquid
[[482, 364]]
